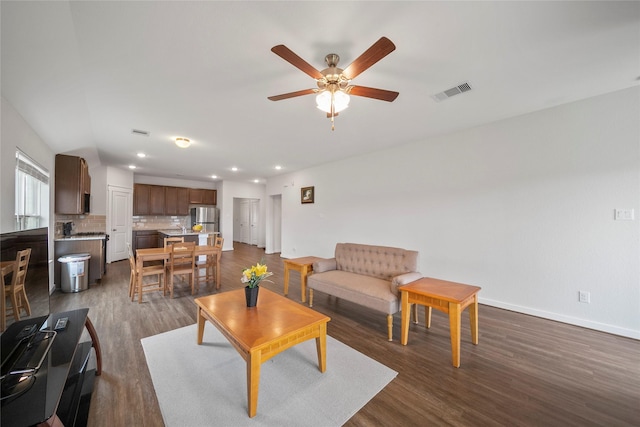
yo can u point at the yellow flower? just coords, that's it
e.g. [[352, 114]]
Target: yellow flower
[[254, 275]]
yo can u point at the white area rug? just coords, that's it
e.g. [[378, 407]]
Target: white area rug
[[205, 385]]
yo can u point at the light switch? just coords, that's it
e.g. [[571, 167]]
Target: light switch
[[624, 214]]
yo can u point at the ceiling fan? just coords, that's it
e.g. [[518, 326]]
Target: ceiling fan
[[333, 83]]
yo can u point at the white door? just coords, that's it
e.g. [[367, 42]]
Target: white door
[[119, 223], [245, 216], [253, 220]]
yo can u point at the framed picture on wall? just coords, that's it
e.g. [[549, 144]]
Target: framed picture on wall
[[307, 194]]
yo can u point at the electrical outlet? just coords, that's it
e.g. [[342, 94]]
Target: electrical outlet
[[584, 296]]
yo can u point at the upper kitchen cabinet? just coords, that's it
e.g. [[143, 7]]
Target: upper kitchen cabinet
[[176, 201], [148, 199], [201, 196], [140, 199], [72, 186]]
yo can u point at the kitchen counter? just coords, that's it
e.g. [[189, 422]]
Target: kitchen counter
[[72, 237], [95, 245], [178, 232]]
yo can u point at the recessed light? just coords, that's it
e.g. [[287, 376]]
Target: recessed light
[[235, 169], [256, 181], [214, 176], [278, 167], [141, 155], [132, 166]]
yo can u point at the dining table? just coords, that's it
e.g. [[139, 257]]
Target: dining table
[[162, 254], [6, 267]]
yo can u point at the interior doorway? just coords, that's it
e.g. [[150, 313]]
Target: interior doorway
[[246, 221]]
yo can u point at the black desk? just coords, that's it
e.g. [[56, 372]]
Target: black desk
[[62, 385]]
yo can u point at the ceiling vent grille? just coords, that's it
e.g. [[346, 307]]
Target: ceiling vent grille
[[456, 90], [140, 132]]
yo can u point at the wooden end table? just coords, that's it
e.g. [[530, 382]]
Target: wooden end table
[[305, 266], [449, 297], [259, 333]]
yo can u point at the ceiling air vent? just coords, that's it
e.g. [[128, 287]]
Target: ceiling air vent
[[140, 132], [461, 88]]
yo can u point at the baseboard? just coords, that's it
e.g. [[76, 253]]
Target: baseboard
[[602, 327]]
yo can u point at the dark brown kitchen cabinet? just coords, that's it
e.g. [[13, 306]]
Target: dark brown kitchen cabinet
[[148, 199], [140, 199], [156, 200], [143, 239], [202, 196], [176, 201], [72, 186]]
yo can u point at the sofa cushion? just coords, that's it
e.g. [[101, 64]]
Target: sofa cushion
[[382, 262], [365, 290]]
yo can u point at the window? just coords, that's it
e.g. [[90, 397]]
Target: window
[[32, 193]]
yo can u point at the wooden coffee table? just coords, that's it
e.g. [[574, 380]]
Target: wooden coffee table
[[305, 266], [448, 297], [259, 333]]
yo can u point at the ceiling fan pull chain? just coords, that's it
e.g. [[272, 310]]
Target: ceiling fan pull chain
[[333, 110]]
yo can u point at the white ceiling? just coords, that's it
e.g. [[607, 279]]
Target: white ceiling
[[84, 74]]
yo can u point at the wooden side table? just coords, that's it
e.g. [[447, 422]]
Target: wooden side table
[[449, 297], [303, 265]]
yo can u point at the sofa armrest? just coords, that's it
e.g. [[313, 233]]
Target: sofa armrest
[[325, 265], [404, 279]]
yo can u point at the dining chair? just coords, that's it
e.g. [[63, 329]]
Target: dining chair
[[182, 262], [171, 240], [156, 271], [16, 290], [132, 266], [209, 263]]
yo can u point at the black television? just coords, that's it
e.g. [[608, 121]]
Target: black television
[[37, 279]]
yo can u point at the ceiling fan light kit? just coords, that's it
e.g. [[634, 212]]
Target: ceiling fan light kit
[[333, 83], [183, 142], [328, 101]]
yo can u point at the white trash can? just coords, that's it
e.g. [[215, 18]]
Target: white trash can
[[74, 272]]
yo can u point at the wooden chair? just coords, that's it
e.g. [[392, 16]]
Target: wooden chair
[[182, 262], [15, 291], [210, 263], [171, 240], [157, 271], [132, 276]]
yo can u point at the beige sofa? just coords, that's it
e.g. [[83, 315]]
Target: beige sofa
[[366, 275]]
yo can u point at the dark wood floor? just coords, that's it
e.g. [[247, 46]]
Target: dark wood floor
[[525, 371]]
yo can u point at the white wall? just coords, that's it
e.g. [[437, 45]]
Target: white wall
[[522, 207], [16, 133], [155, 180]]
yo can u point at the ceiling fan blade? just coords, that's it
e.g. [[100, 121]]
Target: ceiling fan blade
[[370, 92], [292, 94], [375, 53], [287, 54]]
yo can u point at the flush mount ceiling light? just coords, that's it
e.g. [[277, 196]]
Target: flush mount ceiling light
[[333, 83], [183, 142]]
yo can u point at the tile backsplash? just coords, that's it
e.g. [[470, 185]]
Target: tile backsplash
[[93, 223], [82, 223], [150, 222]]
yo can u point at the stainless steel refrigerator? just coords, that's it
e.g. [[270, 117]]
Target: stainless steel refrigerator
[[207, 217]]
